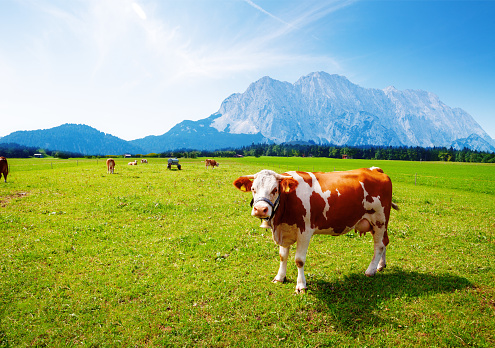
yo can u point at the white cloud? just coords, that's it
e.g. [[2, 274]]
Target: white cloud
[[139, 10]]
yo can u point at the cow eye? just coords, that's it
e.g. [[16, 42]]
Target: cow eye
[[274, 192]]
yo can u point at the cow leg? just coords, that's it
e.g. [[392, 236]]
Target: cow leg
[[383, 263], [302, 249], [379, 252], [282, 270]]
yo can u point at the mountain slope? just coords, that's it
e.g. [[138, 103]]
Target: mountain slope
[[73, 138], [330, 109], [196, 135]]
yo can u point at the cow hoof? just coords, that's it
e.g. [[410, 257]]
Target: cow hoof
[[275, 280], [381, 268], [301, 291], [369, 273]]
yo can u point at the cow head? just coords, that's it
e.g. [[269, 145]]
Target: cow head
[[266, 187]]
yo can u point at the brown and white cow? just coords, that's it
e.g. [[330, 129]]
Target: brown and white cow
[[143, 160], [132, 163], [110, 165], [212, 163], [4, 168], [296, 205]]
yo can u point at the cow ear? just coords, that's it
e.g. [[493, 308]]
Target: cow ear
[[243, 184], [288, 185]]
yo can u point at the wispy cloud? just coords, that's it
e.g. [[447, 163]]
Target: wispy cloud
[[259, 8]]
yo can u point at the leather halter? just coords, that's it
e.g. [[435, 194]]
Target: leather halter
[[266, 200]]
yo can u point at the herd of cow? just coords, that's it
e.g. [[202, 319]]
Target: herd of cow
[[111, 164], [296, 205]]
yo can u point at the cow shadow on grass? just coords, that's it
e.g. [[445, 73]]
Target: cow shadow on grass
[[357, 302]]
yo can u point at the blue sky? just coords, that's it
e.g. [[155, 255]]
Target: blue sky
[[137, 68]]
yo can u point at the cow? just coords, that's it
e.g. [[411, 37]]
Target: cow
[[295, 205], [132, 163], [110, 165], [212, 163], [143, 160], [4, 168]]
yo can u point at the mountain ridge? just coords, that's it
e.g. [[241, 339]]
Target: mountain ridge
[[318, 107]]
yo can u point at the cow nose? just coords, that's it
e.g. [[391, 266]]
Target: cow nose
[[261, 211]]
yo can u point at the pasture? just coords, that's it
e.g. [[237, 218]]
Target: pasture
[[154, 257]]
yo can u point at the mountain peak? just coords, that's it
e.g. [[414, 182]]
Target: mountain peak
[[331, 109]]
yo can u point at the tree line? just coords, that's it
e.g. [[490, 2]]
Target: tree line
[[291, 150], [403, 153]]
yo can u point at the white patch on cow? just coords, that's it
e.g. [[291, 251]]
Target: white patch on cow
[[338, 193], [304, 192], [376, 205], [373, 168]]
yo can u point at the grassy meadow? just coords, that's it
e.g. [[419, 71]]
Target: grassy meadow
[[154, 257]]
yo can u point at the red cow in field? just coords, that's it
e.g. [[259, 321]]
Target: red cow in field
[[212, 163], [143, 160], [110, 165], [133, 163], [297, 205], [4, 168]]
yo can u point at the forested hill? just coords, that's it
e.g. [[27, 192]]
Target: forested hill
[[73, 138]]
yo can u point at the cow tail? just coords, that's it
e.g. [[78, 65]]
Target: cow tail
[[395, 206]]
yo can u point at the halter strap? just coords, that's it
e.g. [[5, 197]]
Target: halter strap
[[274, 206]]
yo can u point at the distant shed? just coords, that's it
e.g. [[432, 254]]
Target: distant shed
[[38, 155]]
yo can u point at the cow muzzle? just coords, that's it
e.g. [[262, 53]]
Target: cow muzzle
[[264, 209]]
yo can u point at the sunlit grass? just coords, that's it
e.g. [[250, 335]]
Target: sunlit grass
[[157, 257]]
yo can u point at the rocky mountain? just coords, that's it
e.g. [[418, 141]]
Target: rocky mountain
[[473, 142], [330, 109], [75, 138]]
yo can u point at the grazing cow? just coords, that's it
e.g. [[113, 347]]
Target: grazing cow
[[4, 168], [144, 161], [297, 205], [212, 163], [133, 163], [110, 165]]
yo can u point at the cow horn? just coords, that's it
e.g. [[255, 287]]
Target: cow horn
[[280, 176], [249, 176]]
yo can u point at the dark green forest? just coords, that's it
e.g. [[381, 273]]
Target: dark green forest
[[369, 152], [292, 150]]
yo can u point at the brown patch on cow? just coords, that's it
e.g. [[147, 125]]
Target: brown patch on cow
[[299, 263], [291, 211], [317, 204], [370, 211], [306, 177], [380, 224], [346, 209], [6, 200], [385, 238]]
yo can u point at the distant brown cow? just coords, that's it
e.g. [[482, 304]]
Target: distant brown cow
[[110, 165], [4, 168], [212, 163], [144, 161]]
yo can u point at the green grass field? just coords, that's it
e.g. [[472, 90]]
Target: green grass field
[[154, 257]]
